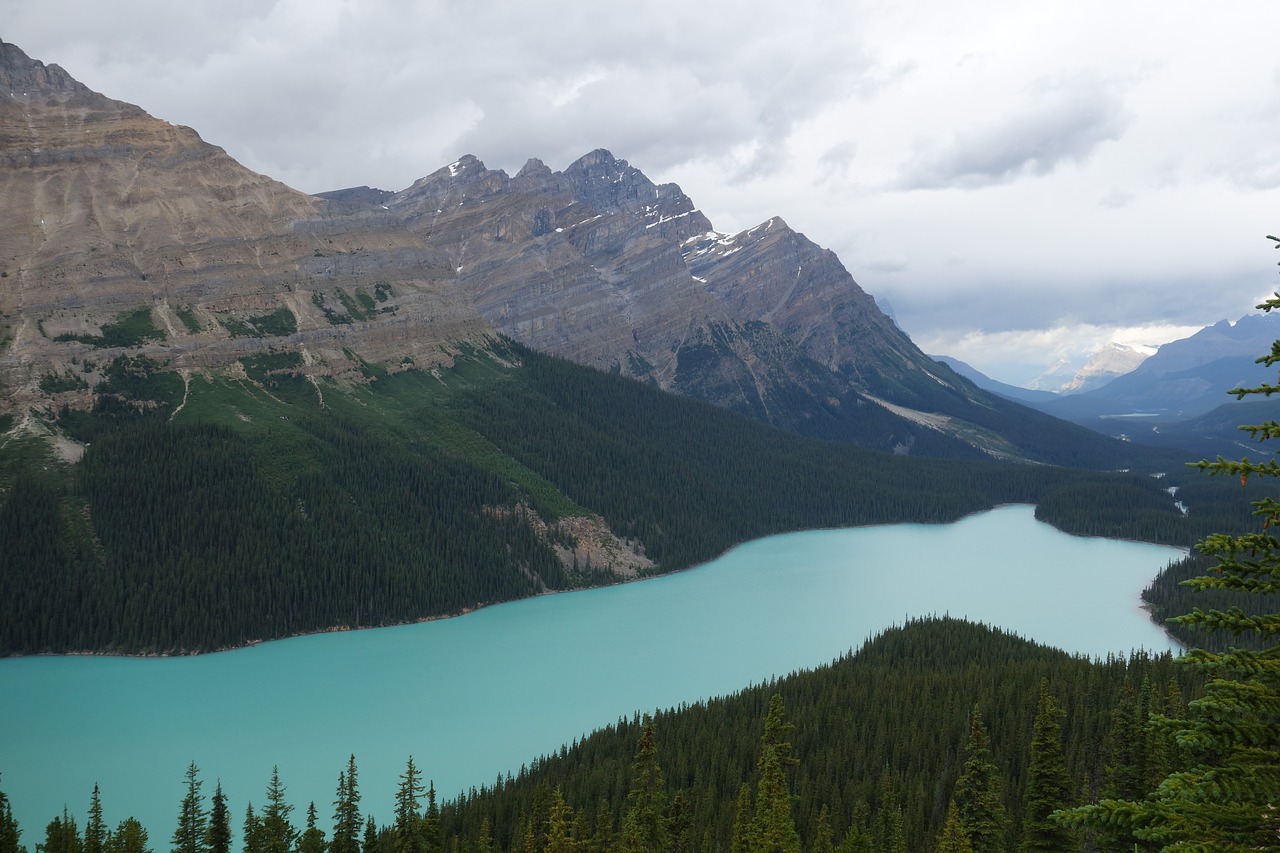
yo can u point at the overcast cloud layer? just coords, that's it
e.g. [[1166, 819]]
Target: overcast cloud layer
[[1020, 182]]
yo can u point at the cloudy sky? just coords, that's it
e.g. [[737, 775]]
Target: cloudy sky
[[1019, 182]]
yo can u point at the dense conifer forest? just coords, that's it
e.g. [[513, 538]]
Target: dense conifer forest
[[214, 512]]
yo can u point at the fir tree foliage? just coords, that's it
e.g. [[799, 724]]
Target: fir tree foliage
[[1048, 783], [95, 830], [978, 796], [10, 833], [1223, 796], [218, 833], [189, 837], [954, 838], [773, 828], [644, 828], [130, 836], [346, 812]]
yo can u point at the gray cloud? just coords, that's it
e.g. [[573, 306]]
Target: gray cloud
[[1059, 125]]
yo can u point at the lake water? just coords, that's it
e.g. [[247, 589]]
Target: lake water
[[474, 697]]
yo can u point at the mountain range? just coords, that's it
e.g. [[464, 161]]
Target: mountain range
[[1176, 397], [125, 234]]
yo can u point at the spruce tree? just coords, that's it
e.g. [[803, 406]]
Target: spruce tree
[[346, 812], [10, 832], [251, 832], [129, 837], [559, 829], [1048, 785], [954, 839], [312, 838], [430, 826], [644, 826], [276, 832], [218, 834], [743, 829], [978, 796], [408, 825], [61, 835], [370, 842], [773, 826], [95, 830], [189, 837], [888, 833], [1125, 746], [823, 839], [602, 831], [484, 839], [1224, 795]]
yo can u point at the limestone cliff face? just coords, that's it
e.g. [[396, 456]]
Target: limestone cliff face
[[600, 265], [108, 210], [585, 263]]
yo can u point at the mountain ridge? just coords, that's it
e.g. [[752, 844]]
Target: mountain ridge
[[157, 244]]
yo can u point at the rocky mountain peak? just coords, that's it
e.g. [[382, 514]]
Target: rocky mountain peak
[[20, 75], [534, 168]]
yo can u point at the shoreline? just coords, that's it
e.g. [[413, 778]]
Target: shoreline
[[248, 644]]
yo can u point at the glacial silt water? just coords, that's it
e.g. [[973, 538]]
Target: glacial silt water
[[474, 697]]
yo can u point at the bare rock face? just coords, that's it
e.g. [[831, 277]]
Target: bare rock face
[[109, 210], [585, 263], [601, 266]]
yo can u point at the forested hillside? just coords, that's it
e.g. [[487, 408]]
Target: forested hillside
[[209, 510]]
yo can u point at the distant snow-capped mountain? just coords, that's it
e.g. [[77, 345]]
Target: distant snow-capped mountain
[[1106, 364]]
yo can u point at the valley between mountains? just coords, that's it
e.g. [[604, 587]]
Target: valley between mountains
[[232, 411]]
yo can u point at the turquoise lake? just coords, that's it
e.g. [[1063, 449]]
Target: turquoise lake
[[479, 695]]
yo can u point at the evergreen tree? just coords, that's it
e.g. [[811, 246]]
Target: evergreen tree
[[189, 837], [369, 844], [218, 834], [1048, 785], [1224, 795], [644, 826], [10, 832], [856, 840], [954, 838], [95, 830], [602, 831], [430, 826], [61, 835], [408, 825], [978, 797], [680, 825], [346, 812], [312, 838], [484, 839], [559, 830], [823, 840], [743, 830], [773, 827], [888, 834], [276, 832], [252, 831], [1124, 772], [129, 837]]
